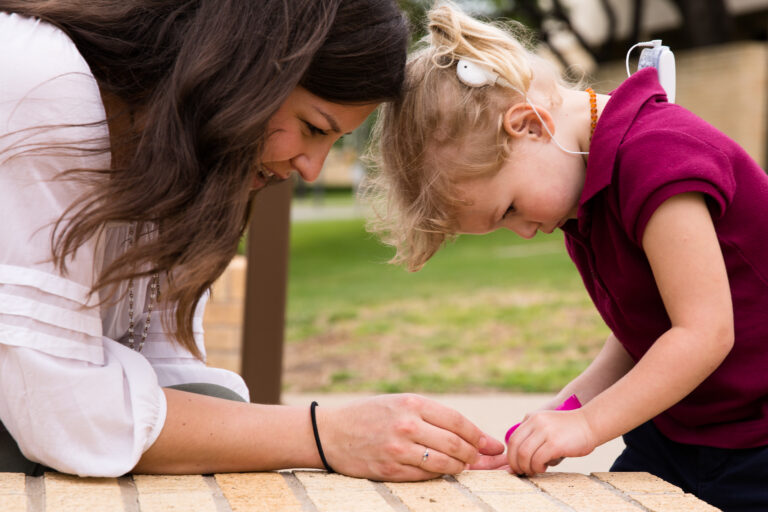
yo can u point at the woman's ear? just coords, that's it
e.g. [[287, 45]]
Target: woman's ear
[[521, 121]]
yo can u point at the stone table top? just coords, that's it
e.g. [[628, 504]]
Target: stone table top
[[318, 491]]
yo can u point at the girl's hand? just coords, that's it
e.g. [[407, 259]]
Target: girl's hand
[[385, 438], [545, 437]]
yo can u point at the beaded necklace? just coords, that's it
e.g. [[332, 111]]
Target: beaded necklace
[[592, 110], [154, 294]]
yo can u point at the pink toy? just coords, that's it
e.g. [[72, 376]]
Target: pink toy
[[570, 404]]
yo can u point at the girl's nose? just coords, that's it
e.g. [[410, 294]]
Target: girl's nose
[[525, 229]]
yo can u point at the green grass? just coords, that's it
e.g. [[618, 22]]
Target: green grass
[[325, 196], [337, 261], [491, 312]]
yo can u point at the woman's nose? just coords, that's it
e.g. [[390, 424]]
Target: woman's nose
[[309, 164]]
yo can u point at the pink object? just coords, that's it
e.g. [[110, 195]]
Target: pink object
[[570, 404]]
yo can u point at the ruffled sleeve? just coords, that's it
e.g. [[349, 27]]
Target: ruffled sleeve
[[73, 399]]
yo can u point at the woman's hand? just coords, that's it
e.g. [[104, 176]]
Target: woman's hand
[[387, 437], [544, 438], [491, 461]]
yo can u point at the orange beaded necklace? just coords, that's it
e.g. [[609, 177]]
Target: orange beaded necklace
[[592, 110]]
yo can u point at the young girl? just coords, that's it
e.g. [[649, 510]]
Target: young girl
[[664, 217], [132, 135]]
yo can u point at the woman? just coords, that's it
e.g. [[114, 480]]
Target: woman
[[132, 135]]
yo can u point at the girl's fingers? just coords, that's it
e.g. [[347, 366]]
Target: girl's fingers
[[525, 454], [523, 451], [537, 453], [513, 449], [542, 458]]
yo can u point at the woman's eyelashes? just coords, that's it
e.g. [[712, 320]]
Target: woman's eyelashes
[[314, 130]]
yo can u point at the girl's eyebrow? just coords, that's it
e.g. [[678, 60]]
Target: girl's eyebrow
[[495, 218]]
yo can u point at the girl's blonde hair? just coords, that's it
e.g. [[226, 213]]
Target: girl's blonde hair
[[442, 132]]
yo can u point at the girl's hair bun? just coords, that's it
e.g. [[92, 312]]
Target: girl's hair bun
[[455, 35]]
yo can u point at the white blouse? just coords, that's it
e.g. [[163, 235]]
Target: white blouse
[[72, 395]]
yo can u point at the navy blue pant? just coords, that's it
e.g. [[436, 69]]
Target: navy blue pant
[[733, 480]]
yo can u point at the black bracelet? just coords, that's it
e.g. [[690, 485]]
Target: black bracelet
[[317, 438]]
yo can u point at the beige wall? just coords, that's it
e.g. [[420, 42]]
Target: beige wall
[[725, 85], [223, 318]]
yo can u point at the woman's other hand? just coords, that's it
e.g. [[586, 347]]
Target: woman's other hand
[[402, 438]]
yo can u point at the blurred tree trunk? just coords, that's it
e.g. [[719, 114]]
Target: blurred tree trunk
[[706, 22]]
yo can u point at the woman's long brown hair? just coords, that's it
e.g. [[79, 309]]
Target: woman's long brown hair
[[206, 76]]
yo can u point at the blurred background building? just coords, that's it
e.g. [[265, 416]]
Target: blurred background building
[[720, 47]]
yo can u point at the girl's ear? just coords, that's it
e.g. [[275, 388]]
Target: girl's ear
[[521, 121]]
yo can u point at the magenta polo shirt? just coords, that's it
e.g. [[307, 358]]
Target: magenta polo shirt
[[645, 150]]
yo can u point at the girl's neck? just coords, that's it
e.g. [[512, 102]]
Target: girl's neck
[[573, 118]]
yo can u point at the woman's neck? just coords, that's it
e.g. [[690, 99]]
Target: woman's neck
[[121, 122]]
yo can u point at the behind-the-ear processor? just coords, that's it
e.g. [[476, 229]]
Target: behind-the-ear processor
[[656, 55]]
